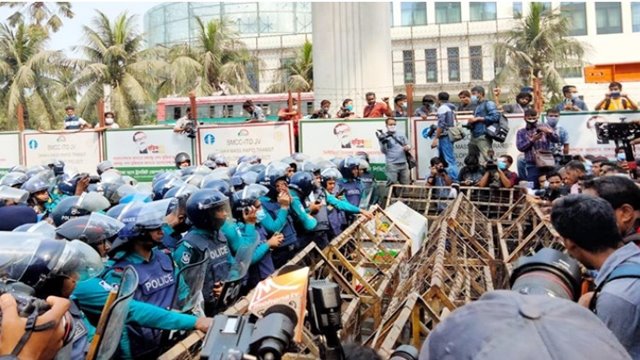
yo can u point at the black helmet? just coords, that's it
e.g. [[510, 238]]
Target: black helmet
[[182, 157], [239, 181], [76, 206], [363, 155], [33, 259], [14, 179], [220, 185], [93, 229], [8, 193], [218, 159], [57, 166], [161, 187], [347, 165], [42, 227], [302, 182], [309, 166], [18, 168], [246, 198], [104, 166], [210, 164], [35, 185], [180, 192], [202, 207]]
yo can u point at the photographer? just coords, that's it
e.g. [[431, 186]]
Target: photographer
[[394, 147], [441, 139], [185, 124], [472, 172], [587, 226], [255, 112], [533, 140], [323, 112], [427, 107], [346, 111], [485, 114], [439, 175], [400, 106]]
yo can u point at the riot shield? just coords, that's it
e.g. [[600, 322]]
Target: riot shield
[[115, 316], [190, 282], [231, 287]]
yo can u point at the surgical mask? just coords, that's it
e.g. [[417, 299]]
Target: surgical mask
[[545, 184], [615, 94], [403, 106], [260, 215], [349, 107], [552, 121], [474, 99], [502, 165], [294, 107], [108, 121], [575, 96], [391, 128], [621, 157]]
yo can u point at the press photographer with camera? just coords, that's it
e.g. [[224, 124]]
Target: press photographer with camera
[[485, 114], [186, 125], [394, 147], [588, 229], [534, 141], [427, 108], [439, 175]]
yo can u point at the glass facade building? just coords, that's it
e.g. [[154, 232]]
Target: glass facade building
[[173, 23]]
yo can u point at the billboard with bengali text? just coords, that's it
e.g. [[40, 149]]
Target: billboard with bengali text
[[269, 140], [141, 152], [10, 154], [79, 149]]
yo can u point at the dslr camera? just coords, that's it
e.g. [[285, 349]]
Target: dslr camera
[[25, 300], [382, 136], [190, 129]]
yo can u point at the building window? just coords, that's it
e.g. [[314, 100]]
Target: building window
[[475, 62], [608, 17], [635, 16], [285, 65], [409, 66], [431, 59], [413, 13], [453, 61], [517, 9], [448, 12], [253, 72], [498, 64], [571, 72], [482, 11], [576, 12], [546, 5]]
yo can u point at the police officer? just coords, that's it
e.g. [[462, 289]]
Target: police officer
[[96, 230], [206, 209], [39, 199], [176, 222], [350, 183], [366, 179], [182, 160], [137, 246]]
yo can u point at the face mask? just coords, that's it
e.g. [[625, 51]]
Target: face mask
[[260, 215], [391, 128], [108, 121], [294, 107], [621, 157], [531, 122], [615, 94], [502, 165], [545, 184], [403, 106], [349, 107], [474, 99], [575, 96], [552, 121]]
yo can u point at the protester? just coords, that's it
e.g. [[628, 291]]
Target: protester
[[533, 140], [427, 108], [574, 173], [394, 147], [323, 112], [484, 115], [555, 188], [346, 111], [255, 112], [615, 99], [597, 163], [465, 101], [400, 106], [441, 138], [376, 109], [523, 103], [73, 121], [571, 101], [587, 226]]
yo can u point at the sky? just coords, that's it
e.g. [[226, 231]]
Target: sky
[[71, 32]]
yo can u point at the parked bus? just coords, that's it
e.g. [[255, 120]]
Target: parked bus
[[228, 108]]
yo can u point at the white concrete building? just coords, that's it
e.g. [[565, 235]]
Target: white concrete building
[[435, 45]]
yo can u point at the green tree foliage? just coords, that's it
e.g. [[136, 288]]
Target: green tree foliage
[[298, 74]]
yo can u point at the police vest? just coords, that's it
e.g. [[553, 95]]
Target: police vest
[[288, 231], [263, 268], [218, 266], [156, 286], [352, 192], [72, 123], [322, 217], [77, 348]]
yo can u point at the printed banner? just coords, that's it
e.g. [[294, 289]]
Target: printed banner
[[141, 152], [582, 132], [80, 149], [341, 137], [10, 154], [269, 140]]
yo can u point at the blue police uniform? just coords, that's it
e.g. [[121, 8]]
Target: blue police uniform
[[82, 335], [193, 247], [156, 286], [171, 238], [368, 190], [262, 263], [289, 245], [352, 191]]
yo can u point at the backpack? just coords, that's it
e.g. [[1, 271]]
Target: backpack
[[624, 271], [498, 131]]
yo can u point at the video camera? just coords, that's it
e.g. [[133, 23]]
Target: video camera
[[623, 131], [25, 300]]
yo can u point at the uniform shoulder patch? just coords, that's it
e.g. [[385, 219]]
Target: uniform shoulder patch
[[186, 257], [105, 285]]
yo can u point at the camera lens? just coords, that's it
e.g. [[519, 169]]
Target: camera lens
[[547, 272]]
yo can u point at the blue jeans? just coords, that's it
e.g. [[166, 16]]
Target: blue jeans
[[522, 167], [445, 150], [532, 175]]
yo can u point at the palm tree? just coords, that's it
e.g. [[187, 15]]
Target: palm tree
[[299, 73], [40, 13], [216, 63], [26, 70], [538, 46], [114, 58]]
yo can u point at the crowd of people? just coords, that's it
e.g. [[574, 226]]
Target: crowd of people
[[225, 217]]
